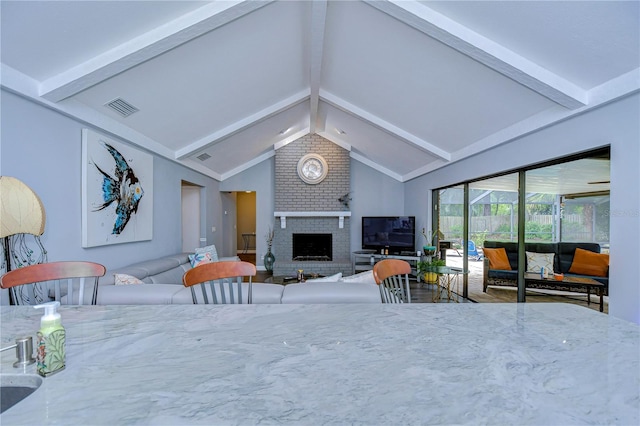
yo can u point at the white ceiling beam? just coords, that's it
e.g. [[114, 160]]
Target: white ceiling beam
[[318, 19], [241, 168], [625, 85], [194, 165], [145, 47], [243, 124], [383, 125], [335, 139], [294, 137], [23, 85], [485, 51], [376, 166]]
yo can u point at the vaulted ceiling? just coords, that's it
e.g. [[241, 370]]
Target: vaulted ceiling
[[406, 86]]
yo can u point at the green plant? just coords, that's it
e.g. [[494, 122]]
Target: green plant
[[431, 238], [429, 265]]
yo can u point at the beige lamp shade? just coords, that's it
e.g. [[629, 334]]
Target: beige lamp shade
[[21, 211]]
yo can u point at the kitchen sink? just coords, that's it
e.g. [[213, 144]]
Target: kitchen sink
[[16, 387]]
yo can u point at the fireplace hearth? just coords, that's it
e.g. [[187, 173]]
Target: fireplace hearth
[[312, 247]]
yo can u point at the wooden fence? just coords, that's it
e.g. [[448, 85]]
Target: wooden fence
[[491, 227]]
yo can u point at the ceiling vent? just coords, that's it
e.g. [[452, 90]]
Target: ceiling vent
[[203, 156], [122, 107]]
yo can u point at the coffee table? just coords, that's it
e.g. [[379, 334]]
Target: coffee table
[[290, 279], [568, 283]]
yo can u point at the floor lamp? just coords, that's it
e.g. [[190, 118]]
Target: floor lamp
[[21, 214]]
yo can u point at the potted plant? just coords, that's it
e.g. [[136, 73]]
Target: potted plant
[[430, 246], [429, 269]]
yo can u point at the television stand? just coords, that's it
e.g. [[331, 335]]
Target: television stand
[[363, 260]]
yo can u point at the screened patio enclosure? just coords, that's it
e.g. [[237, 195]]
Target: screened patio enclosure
[[557, 208], [566, 200]]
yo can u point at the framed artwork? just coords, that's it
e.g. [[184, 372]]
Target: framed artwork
[[117, 192]]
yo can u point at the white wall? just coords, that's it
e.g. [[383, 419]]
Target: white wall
[[373, 194], [42, 148], [616, 124], [190, 217]]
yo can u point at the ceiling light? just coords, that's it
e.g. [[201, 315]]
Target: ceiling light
[[341, 132], [283, 131]]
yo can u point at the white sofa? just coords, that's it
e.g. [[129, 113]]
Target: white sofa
[[163, 285]]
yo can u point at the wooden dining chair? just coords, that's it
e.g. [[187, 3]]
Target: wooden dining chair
[[392, 277], [225, 281], [29, 285]]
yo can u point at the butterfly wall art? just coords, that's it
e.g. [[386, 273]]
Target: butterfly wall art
[[117, 192]]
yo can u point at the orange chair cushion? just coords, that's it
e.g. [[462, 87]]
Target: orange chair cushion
[[497, 258], [586, 262]]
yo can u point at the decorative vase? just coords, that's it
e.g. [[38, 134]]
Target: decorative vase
[[269, 260]]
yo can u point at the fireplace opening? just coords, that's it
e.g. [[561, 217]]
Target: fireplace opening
[[312, 247]]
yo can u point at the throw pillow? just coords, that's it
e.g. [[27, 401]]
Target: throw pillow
[[208, 249], [535, 261], [362, 277], [330, 278], [124, 279], [199, 259], [497, 258], [586, 262]]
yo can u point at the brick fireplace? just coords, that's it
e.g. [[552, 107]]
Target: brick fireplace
[[311, 209]]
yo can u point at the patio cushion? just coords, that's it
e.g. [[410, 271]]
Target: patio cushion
[[537, 261], [497, 258], [586, 262]]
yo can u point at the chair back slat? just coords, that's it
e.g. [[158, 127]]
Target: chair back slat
[[214, 296], [224, 281], [37, 279], [56, 287], [80, 292], [70, 289]]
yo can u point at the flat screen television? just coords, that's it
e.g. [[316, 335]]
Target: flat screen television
[[395, 233]]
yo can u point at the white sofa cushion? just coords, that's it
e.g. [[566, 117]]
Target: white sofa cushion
[[362, 277], [331, 278], [336, 292], [144, 294]]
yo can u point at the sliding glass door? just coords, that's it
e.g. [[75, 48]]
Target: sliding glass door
[[564, 200]]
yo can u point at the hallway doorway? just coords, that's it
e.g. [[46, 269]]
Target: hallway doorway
[[246, 225]]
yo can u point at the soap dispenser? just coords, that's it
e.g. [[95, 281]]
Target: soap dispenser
[[50, 345]]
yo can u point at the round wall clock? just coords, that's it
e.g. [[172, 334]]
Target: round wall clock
[[312, 168]]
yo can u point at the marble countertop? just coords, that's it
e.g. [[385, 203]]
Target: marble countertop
[[535, 364]]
